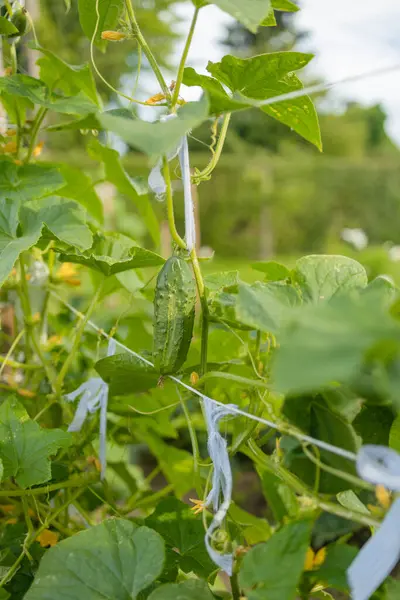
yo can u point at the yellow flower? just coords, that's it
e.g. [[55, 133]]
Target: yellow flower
[[155, 99], [38, 149], [314, 559], [194, 378], [383, 496], [48, 538], [198, 507], [113, 36], [68, 274]]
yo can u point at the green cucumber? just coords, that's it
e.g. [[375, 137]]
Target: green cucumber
[[20, 21], [174, 312]]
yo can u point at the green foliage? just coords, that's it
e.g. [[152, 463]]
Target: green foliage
[[131, 558], [311, 350]]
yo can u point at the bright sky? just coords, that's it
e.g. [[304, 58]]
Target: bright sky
[[347, 37]]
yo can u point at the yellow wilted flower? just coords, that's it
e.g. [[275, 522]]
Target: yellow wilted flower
[[10, 147], [38, 149], [314, 559], [198, 507], [113, 36], [48, 538], [155, 99], [194, 378], [26, 393], [383, 496], [68, 274]]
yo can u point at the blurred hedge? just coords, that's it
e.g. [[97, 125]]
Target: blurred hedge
[[257, 204]]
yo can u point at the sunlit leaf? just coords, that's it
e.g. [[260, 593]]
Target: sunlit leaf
[[6, 27], [163, 137], [25, 448], [106, 18], [194, 589], [114, 560]]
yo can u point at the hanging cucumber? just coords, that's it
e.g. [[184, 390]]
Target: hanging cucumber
[[174, 312], [20, 21]]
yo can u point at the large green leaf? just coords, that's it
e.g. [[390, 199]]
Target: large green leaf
[[126, 374], [65, 219], [219, 100], [194, 589], [265, 76], [250, 13], [72, 79], [79, 187], [156, 139], [37, 92], [115, 560], [315, 418], [264, 306], [321, 277], [183, 532], [333, 570], [27, 182], [271, 571], [393, 589], [113, 253], [6, 27], [284, 5], [176, 464], [394, 438], [109, 12], [116, 174], [25, 447], [326, 342]]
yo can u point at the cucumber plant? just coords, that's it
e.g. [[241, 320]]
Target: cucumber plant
[[310, 353]]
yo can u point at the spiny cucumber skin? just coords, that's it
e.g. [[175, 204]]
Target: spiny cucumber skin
[[174, 313]]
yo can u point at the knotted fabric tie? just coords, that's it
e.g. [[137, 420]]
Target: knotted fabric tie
[[379, 556], [93, 396], [222, 478]]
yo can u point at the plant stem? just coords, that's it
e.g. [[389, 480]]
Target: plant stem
[[205, 174], [26, 307], [35, 130], [77, 341], [46, 489], [146, 49], [195, 447], [235, 587], [170, 206], [182, 63], [238, 378], [17, 365], [31, 538]]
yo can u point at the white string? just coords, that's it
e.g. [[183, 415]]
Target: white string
[[190, 226], [233, 409], [321, 87]]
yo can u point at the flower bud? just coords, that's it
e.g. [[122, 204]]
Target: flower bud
[[113, 36]]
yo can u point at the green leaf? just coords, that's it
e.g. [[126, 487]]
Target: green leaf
[[126, 374], [264, 306], [253, 529], [25, 448], [220, 101], [163, 137], [56, 73], [27, 182], [65, 219], [284, 5], [265, 76], [248, 12], [109, 12], [176, 464], [79, 187], [280, 498], [393, 589], [194, 589], [326, 342], [315, 418], [113, 253], [38, 93], [349, 500], [116, 174], [184, 532], [270, 20], [6, 27], [333, 570], [373, 424], [321, 277], [394, 438], [114, 560], [273, 271], [271, 571]]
